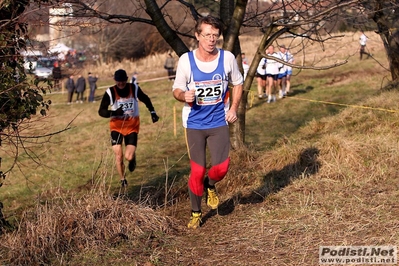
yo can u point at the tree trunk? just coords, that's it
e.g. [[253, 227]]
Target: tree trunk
[[233, 16], [389, 33], [392, 50]]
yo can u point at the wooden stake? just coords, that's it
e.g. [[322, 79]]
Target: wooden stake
[[174, 121]]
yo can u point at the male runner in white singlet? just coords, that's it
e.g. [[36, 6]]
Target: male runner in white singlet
[[201, 82]]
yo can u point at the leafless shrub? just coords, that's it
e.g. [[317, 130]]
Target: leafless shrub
[[62, 227]]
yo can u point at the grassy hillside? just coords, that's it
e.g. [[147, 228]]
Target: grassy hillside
[[320, 169]]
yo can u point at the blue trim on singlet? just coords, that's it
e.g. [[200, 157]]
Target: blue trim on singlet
[[208, 116]]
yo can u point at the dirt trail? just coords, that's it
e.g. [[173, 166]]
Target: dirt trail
[[227, 237]]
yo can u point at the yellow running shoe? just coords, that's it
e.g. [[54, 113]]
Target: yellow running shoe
[[195, 220], [212, 199]]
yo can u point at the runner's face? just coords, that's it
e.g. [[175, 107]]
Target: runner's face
[[271, 50], [207, 39], [121, 84]]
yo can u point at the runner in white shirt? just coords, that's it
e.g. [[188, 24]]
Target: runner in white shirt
[[290, 59], [261, 78], [282, 74], [284, 77], [272, 70], [363, 40]]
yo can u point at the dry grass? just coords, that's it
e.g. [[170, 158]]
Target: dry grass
[[313, 174], [331, 183], [56, 230]]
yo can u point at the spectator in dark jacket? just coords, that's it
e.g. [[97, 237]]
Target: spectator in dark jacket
[[57, 76], [70, 86], [80, 88], [170, 66], [93, 86]]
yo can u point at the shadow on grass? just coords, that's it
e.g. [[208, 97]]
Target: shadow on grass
[[4, 224], [306, 165], [252, 103], [152, 193], [295, 91]]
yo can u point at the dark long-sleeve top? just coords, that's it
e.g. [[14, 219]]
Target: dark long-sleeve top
[[70, 85], [103, 111], [57, 73], [92, 82], [80, 84]]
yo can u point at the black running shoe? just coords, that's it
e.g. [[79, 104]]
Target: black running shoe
[[132, 164], [123, 183]]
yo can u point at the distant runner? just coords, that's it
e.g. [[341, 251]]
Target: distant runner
[[125, 121]]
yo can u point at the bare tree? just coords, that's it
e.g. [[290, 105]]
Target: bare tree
[[274, 19], [19, 99], [308, 20], [386, 16]]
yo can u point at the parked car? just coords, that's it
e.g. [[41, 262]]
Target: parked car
[[30, 59], [44, 67]]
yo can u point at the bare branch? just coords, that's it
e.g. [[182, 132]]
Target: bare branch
[[304, 67]]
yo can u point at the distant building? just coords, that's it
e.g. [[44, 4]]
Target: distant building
[[60, 20]]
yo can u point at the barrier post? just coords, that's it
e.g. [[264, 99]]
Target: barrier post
[[174, 121]]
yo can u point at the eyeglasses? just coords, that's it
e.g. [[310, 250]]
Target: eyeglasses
[[210, 36]]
